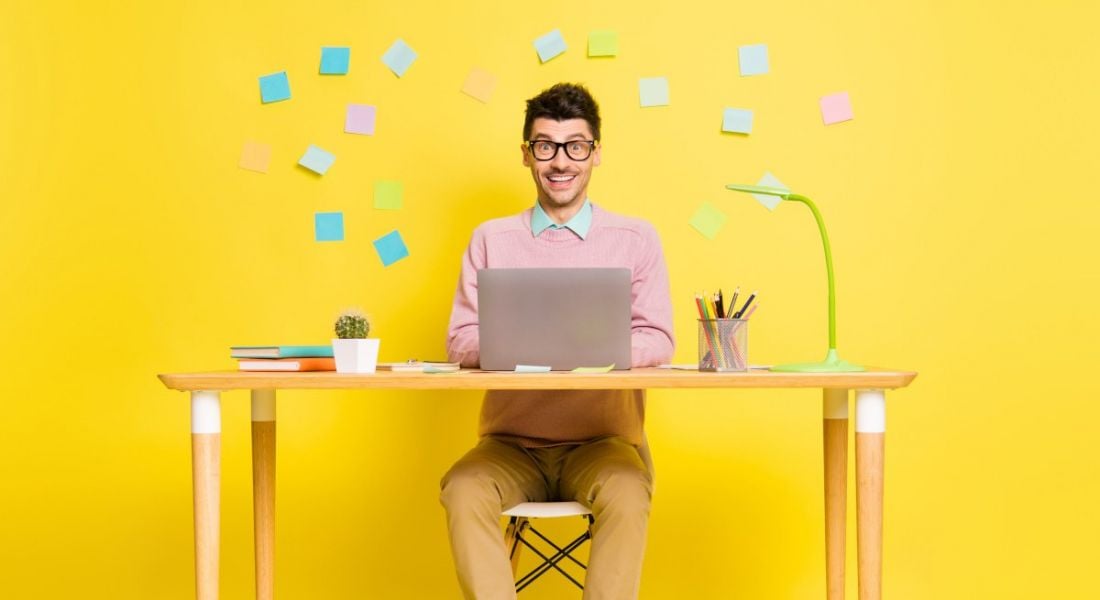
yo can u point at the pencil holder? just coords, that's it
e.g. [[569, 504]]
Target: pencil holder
[[723, 345]]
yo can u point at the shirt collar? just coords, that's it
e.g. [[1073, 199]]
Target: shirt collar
[[579, 224]]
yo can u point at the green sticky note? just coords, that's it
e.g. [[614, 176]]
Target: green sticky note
[[606, 369], [708, 220], [603, 42], [388, 194]]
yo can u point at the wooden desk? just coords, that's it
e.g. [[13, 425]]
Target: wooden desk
[[870, 386]]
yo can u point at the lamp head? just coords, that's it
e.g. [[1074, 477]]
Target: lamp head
[[759, 189], [768, 196]]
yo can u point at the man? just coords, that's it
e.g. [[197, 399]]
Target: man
[[542, 445]]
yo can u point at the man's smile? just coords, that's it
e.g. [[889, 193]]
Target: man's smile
[[560, 181]]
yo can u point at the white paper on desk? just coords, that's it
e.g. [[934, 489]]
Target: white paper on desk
[[438, 370], [532, 369]]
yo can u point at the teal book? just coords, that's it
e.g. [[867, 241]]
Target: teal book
[[281, 351]]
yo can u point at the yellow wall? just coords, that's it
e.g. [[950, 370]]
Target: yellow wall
[[959, 202]]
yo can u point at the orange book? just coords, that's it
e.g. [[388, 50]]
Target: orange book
[[288, 364]]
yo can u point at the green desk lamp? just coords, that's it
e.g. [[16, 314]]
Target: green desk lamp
[[832, 363]]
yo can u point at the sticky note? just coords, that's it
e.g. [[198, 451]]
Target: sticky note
[[836, 108], [769, 180], [438, 371], [359, 119], [334, 60], [399, 57], [603, 42], [387, 194], [737, 120], [753, 59], [606, 369], [653, 91], [317, 160], [328, 227], [532, 369], [274, 87], [550, 45], [255, 157], [479, 85], [391, 248], [708, 220]]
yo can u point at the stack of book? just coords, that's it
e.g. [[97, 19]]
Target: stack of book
[[284, 358]]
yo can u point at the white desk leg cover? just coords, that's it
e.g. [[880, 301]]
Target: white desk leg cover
[[263, 490], [206, 449], [870, 436], [835, 434]]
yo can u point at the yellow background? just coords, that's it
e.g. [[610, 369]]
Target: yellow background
[[960, 203]]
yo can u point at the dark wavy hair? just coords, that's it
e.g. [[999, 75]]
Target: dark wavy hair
[[561, 102]]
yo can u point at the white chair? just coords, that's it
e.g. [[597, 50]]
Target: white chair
[[519, 524]]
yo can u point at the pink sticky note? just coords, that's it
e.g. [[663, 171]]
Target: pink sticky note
[[360, 119], [836, 108]]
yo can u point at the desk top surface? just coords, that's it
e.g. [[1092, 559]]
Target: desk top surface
[[473, 379]]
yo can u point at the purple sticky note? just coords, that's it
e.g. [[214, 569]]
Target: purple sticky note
[[836, 108], [360, 119]]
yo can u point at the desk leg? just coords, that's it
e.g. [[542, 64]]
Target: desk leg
[[835, 432], [263, 490], [206, 450], [870, 434]]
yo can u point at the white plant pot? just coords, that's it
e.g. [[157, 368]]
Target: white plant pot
[[356, 355]]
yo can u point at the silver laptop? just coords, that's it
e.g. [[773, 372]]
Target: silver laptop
[[561, 318]]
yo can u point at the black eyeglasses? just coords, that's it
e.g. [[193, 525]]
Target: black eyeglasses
[[544, 150]]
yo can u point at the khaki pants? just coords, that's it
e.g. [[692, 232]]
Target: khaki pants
[[607, 475]]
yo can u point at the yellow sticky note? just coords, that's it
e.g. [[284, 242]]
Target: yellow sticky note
[[603, 43], [255, 157], [479, 85], [606, 369]]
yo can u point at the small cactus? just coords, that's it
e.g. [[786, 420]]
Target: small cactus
[[352, 324]]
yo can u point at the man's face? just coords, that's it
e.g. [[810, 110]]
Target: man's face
[[562, 182]]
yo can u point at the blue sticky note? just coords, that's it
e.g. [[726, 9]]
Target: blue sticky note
[[328, 227], [399, 57], [317, 160], [274, 87], [653, 91], [550, 45], [737, 120], [334, 60], [391, 248], [753, 59]]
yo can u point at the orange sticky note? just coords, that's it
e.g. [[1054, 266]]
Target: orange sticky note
[[479, 85], [255, 157]]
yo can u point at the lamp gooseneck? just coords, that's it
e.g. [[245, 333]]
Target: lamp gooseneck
[[828, 265]]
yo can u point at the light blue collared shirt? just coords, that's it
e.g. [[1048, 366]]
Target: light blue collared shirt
[[579, 224]]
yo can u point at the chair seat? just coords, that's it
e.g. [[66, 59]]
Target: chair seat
[[535, 510]]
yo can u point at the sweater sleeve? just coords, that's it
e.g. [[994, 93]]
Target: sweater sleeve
[[462, 332], [651, 339]]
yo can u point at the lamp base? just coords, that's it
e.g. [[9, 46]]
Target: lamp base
[[831, 364]]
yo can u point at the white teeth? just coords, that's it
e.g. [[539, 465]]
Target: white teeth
[[560, 177]]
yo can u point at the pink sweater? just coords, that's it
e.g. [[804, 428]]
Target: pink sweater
[[551, 417]]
